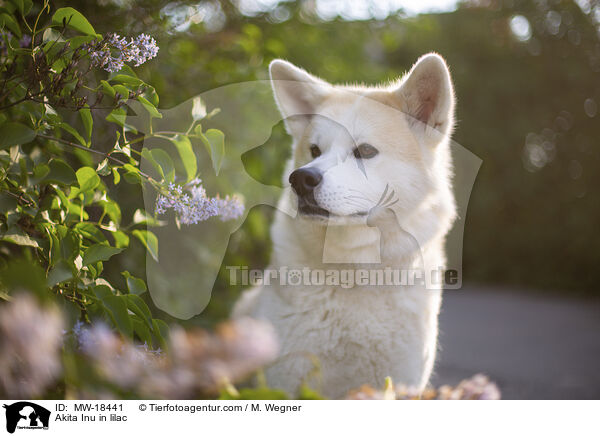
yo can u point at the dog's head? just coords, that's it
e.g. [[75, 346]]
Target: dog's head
[[357, 148]]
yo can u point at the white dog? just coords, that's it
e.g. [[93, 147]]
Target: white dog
[[370, 175]]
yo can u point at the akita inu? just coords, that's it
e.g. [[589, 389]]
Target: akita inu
[[370, 175]]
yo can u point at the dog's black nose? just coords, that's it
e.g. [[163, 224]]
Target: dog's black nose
[[304, 180]]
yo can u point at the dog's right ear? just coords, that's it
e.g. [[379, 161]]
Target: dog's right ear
[[298, 94]]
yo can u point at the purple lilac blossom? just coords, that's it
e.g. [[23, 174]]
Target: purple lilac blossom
[[192, 205], [114, 51]]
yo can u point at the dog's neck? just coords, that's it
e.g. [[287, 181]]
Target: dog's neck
[[318, 245]]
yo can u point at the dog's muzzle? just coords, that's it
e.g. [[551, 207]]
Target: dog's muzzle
[[304, 181]]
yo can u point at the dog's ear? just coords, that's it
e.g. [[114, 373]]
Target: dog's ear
[[427, 97], [297, 93]]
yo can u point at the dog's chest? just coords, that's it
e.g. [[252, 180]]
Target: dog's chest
[[354, 337], [342, 326]]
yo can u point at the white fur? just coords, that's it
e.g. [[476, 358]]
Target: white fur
[[363, 334]]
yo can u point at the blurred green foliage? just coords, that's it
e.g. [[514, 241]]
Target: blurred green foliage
[[59, 222], [526, 77]]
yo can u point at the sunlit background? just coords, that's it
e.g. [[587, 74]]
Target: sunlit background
[[527, 78]]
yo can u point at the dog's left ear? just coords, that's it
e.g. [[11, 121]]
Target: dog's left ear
[[427, 96], [298, 94]]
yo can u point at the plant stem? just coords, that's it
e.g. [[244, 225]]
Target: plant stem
[[91, 150]]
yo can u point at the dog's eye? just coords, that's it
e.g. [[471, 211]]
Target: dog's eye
[[315, 151], [365, 151]]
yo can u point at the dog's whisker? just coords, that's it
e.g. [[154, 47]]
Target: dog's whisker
[[362, 196], [354, 197], [355, 190], [383, 195], [359, 198], [390, 196], [361, 204], [393, 202], [357, 205], [355, 202]]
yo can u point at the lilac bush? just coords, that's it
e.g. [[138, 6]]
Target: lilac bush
[[65, 144]]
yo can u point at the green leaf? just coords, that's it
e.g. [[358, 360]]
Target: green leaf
[[22, 274], [60, 173], [187, 155], [103, 168], [121, 239], [108, 89], [122, 91], [149, 240], [86, 119], [23, 6], [51, 35], [214, 140], [126, 70], [142, 217], [87, 178], [72, 18], [68, 248], [18, 237], [102, 291], [99, 252], [260, 393], [116, 176], [74, 133], [154, 113], [132, 174], [126, 79], [307, 393], [90, 231], [135, 285], [78, 41], [161, 331], [141, 330], [7, 21], [117, 307], [151, 95], [117, 116], [161, 161], [60, 273], [40, 172], [139, 307], [112, 209], [15, 134]]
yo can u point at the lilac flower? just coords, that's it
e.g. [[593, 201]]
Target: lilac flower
[[229, 208], [30, 345], [114, 51], [79, 333], [478, 387], [121, 362], [25, 41], [192, 205], [197, 361]]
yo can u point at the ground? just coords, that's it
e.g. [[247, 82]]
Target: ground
[[534, 345]]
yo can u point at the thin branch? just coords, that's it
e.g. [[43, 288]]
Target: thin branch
[[27, 97], [14, 103], [91, 150], [20, 197]]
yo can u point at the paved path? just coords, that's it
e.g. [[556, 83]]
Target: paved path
[[533, 346]]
